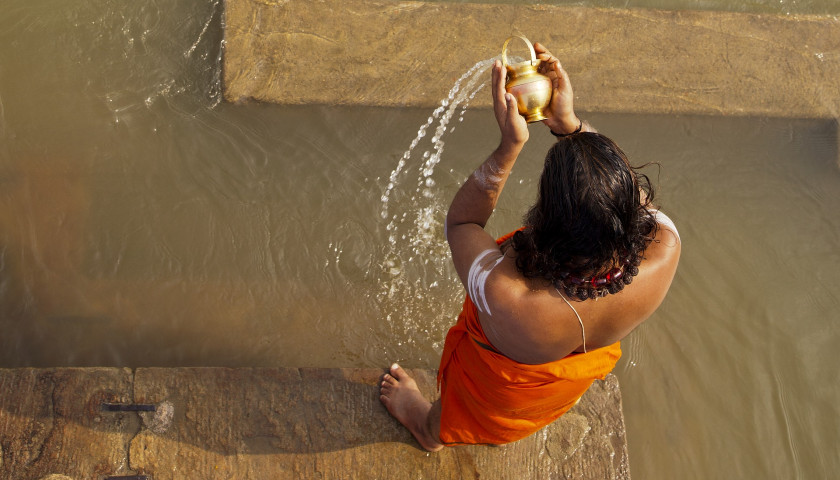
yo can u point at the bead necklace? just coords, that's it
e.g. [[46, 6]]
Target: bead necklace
[[599, 286]]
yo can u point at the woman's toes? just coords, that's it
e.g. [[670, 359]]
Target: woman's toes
[[397, 371]]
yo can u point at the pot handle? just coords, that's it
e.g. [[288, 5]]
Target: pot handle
[[505, 62]]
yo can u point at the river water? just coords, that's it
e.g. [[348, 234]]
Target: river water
[[144, 222]]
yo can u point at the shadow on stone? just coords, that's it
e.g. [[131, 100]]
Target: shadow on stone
[[271, 423], [51, 422], [328, 422], [259, 411]]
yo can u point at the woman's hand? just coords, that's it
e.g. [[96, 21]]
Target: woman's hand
[[513, 126], [561, 112]]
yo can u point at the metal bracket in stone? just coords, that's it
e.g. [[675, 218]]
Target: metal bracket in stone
[[156, 418], [128, 407]]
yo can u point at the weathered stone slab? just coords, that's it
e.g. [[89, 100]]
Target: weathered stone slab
[[51, 422], [393, 53], [214, 423], [329, 423]]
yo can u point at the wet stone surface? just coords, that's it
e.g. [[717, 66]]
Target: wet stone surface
[[271, 423], [620, 60]]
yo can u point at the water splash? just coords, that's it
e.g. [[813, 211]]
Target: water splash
[[461, 94], [417, 277]]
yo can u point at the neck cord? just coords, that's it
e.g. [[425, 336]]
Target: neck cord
[[582, 330]]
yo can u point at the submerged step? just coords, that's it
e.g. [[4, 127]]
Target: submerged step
[[389, 53]]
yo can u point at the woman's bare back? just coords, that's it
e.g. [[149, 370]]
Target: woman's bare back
[[531, 323]]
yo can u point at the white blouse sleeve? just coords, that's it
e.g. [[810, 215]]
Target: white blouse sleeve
[[663, 219]]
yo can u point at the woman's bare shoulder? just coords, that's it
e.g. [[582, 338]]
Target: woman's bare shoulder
[[662, 255], [617, 315], [527, 323]]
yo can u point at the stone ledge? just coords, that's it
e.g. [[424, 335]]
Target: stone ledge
[[270, 423], [389, 53], [51, 423]]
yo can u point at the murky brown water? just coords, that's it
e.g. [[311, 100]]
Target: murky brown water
[[143, 222]]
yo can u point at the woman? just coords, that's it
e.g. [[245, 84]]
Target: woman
[[547, 305]]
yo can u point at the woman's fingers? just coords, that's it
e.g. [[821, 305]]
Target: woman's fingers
[[552, 67], [499, 90], [560, 71], [539, 48], [512, 108], [548, 62], [561, 77], [561, 107], [501, 102], [543, 53], [495, 79], [511, 124]]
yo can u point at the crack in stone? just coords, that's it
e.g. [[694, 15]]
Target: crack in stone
[[49, 431]]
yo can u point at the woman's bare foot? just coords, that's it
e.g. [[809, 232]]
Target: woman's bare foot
[[402, 398]]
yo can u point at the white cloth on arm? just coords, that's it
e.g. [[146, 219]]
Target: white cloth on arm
[[663, 219], [480, 269]]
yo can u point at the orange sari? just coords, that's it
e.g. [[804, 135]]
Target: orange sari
[[487, 398]]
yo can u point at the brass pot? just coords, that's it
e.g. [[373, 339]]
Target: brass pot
[[531, 89]]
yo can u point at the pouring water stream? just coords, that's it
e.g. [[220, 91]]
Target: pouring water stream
[[416, 257]]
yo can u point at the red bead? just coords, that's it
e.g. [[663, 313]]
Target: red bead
[[598, 281], [615, 274]]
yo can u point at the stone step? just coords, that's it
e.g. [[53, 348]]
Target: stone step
[[389, 53], [258, 423]]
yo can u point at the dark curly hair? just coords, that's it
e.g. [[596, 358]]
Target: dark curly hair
[[589, 216]]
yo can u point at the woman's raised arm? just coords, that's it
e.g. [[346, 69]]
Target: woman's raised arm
[[475, 200]]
